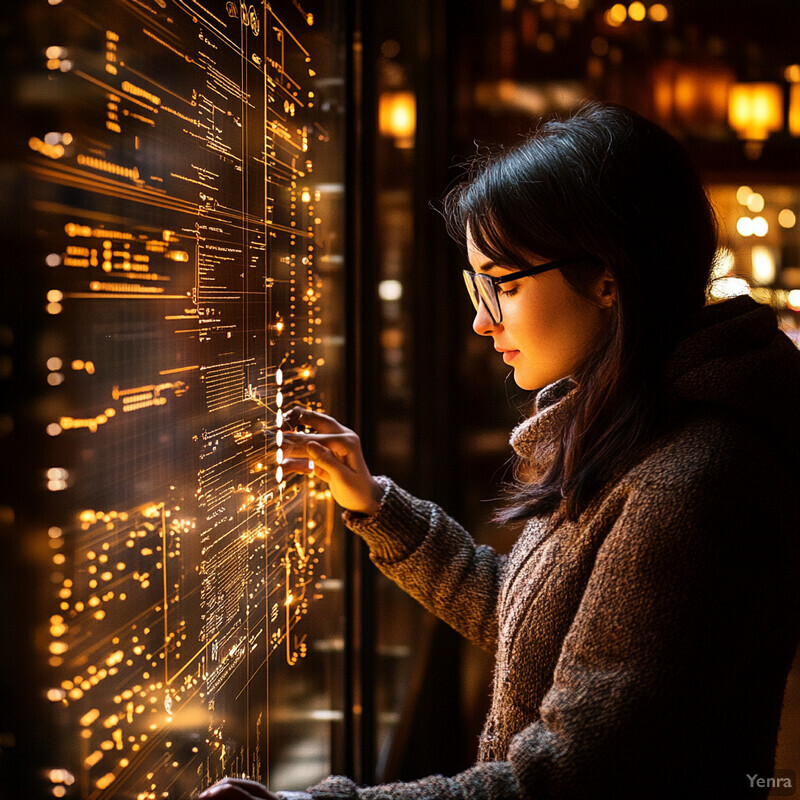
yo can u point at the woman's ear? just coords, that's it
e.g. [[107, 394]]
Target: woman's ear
[[605, 290]]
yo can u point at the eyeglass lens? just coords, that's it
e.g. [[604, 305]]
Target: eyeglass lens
[[480, 287]]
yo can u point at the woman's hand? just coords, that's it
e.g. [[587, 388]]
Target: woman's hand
[[337, 459], [236, 789], [242, 789]]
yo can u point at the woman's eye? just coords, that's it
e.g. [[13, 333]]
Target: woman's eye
[[508, 292]]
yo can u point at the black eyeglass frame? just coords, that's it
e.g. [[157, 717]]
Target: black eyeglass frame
[[470, 276]]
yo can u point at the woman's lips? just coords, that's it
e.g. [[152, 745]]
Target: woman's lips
[[510, 355]]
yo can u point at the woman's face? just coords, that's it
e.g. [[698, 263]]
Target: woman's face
[[547, 327]]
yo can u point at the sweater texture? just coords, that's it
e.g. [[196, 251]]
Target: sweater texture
[[641, 650]]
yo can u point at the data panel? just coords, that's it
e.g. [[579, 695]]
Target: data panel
[[184, 268]]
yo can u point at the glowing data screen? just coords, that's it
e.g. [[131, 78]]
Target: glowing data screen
[[184, 172]]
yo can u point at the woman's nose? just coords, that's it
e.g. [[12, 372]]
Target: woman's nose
[[483, 324]]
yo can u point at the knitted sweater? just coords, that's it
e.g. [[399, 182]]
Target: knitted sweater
[[641, 650]]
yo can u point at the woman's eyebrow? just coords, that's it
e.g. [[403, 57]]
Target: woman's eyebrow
[[486, 266]]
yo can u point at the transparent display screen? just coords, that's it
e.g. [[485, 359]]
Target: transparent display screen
[[184, 170]]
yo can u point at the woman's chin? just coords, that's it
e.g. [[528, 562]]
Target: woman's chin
[[524, 381], [533, 382]]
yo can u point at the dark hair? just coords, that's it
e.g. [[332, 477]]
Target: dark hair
[[614, 191]]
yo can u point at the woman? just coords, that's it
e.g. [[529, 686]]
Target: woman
[[644, 623]]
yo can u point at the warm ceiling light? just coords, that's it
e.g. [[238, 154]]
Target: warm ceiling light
[[755, 109], [397, 117]]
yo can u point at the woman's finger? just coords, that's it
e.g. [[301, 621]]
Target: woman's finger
[[337, 442], [305, 466], [326, 464], [322, 423], [301, 466], [237, 788]]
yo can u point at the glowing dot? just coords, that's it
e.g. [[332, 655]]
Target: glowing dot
[[744, 226], [54, 51], [52, 260], [279, 456], [636, 11], [279, 474], [743, 195], [792, 73], [279, 438], [793, 299], [279, 418], [54, 363], [616, 15], [787, 218], [760, 226], [763, 262], [53, 308], [390, 290], [55, 378], [279, 376], [755, 203], [658, 12]]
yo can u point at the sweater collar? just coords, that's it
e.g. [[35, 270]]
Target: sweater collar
[[536, 438]]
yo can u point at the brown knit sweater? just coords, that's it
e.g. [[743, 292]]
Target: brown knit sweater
[[641, 650]]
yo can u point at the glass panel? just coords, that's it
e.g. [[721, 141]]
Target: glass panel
[[179, 285]]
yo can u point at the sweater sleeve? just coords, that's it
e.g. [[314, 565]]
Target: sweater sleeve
[[432, 558]]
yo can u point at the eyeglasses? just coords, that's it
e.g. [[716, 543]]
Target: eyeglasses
[[483, 287]]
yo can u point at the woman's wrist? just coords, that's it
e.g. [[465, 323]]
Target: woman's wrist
[[376, 499]]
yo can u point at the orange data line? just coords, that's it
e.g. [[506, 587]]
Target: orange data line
[[281, 23], [108, 88], [178, 369], [99, 184], [122, 296]]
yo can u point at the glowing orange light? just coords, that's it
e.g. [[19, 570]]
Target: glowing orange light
[[397, 117], [755, 109], [636, 11]]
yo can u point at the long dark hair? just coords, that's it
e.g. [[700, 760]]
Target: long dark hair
[[613, 191]]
